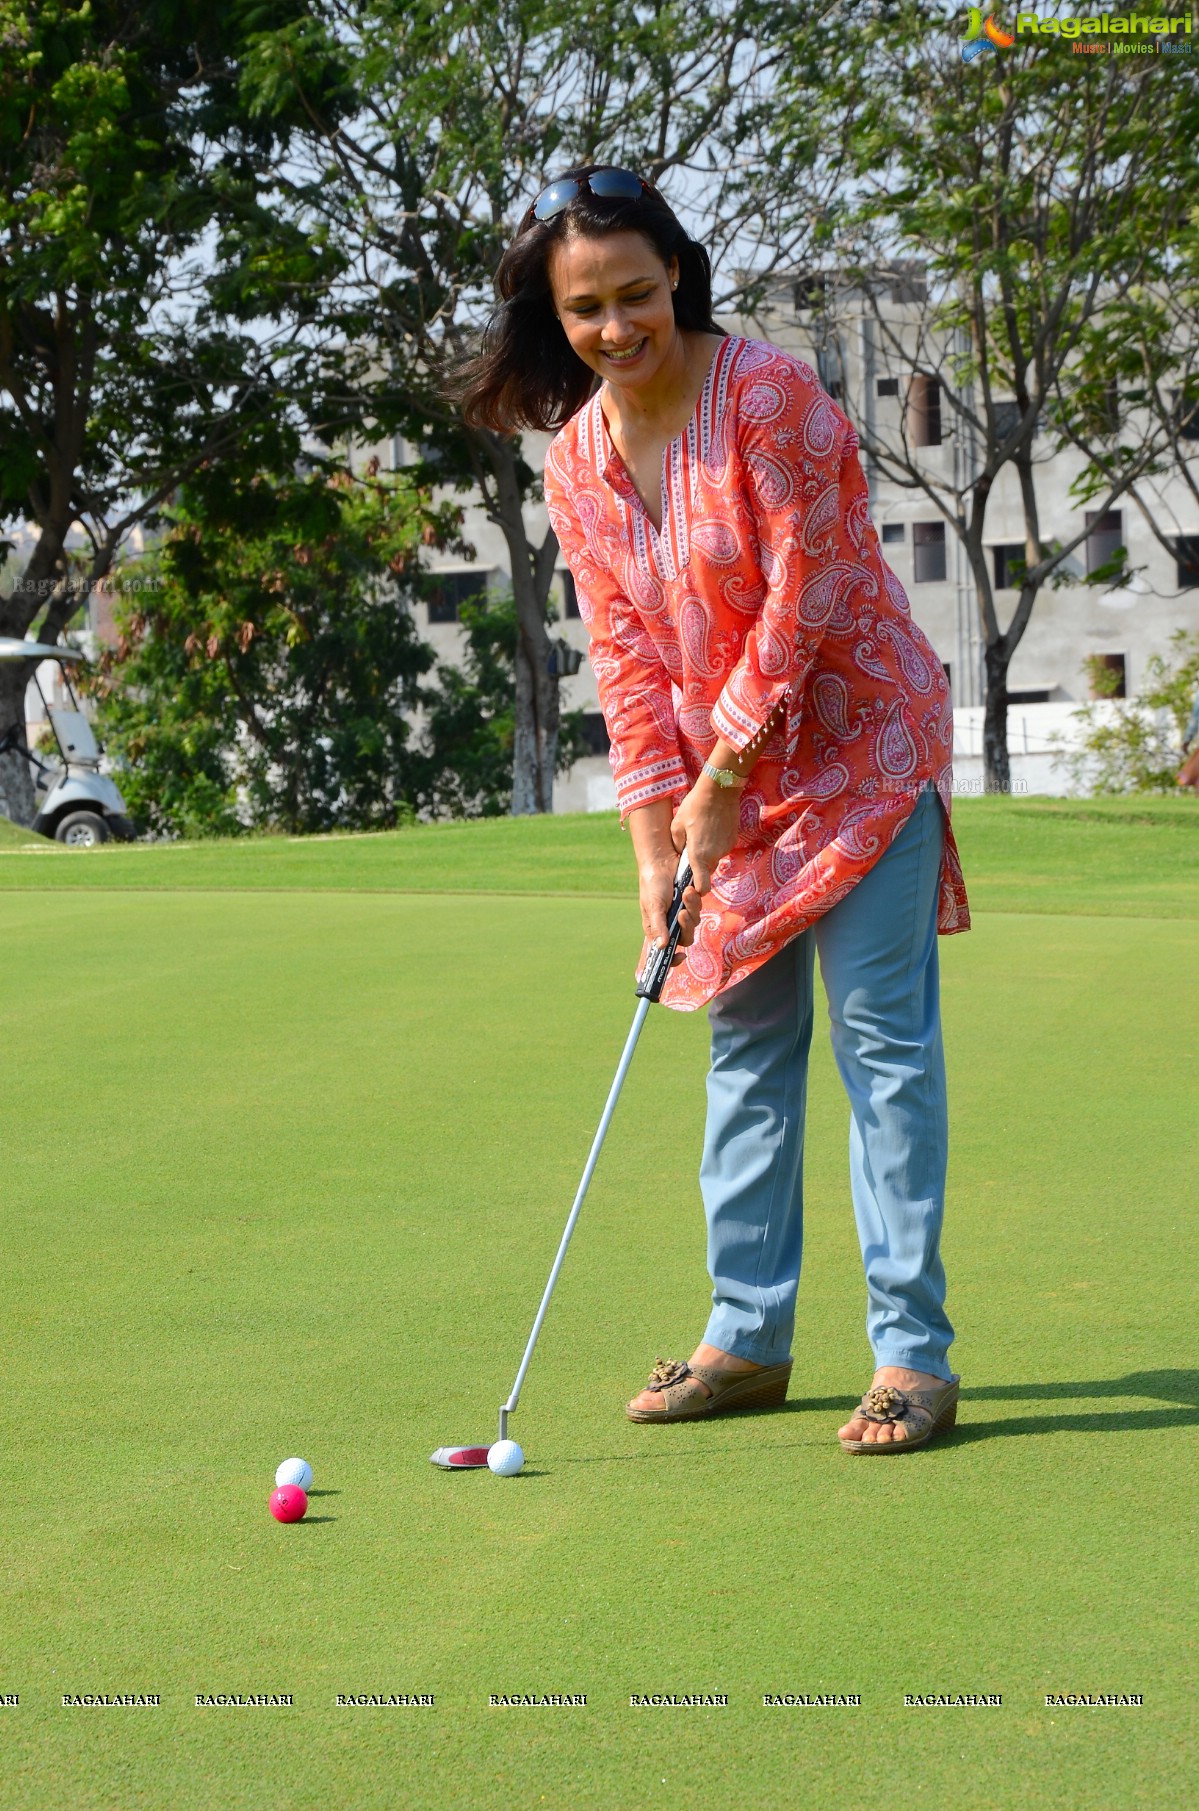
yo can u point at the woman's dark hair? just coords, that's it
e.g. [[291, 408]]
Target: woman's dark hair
[[525, 373]]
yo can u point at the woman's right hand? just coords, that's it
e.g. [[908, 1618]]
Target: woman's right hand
[[657, 872]]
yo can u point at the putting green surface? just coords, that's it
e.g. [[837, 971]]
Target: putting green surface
[[1097, 856], [284, 1173]]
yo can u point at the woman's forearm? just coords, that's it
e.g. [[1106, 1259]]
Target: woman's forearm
[[650, 825], [649, 828]]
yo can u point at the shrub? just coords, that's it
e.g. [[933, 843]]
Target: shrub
[[1134, 744]]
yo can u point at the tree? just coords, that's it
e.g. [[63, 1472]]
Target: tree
[[442, 119], [469, 729], [1001, 219], [1135, 744], [270, 665], [148, 298], [1155, 353]]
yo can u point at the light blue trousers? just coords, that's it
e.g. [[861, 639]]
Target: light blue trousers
[[878, 961]]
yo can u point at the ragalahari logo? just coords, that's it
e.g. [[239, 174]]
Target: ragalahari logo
[[983, 34]]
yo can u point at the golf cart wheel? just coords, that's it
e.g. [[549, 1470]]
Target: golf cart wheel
[[81, 830]]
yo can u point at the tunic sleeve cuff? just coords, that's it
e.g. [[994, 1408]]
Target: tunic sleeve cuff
[[654, 780], [736, 726]]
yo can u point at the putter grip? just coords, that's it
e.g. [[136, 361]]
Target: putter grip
[[653, 976]]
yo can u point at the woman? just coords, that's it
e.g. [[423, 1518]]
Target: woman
[[773, 708]]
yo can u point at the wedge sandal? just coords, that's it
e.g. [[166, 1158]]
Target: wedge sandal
[[685, 1401], [921, 1414]]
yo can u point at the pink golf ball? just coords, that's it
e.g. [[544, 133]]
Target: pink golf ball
[[289, 1503]]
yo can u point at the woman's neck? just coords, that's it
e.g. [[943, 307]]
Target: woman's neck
[[652, 406]]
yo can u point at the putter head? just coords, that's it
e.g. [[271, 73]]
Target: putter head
[[460, 1458]]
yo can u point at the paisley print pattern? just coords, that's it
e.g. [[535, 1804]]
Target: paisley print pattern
[[916, 669], [828, 783], [867, 659], [818, 430], [763, 402], [819, 518], [716, 541], [896, 750], [857, 522], [765, 582], [897, 594], [831, 700], [772, 480], [822, 594], [695, 721]]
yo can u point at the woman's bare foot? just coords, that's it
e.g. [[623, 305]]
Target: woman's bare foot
[[901, 1379], [702, 1355]]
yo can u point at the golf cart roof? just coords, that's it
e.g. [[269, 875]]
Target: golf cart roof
[[13, 649]]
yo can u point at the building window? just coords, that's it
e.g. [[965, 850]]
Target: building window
[[446, 592], [894, 531], [1186, 552], [928, 546], [1007, 418], [887, 386], [570, 597], [947, 669], [1105, 537], [1009, 565], [924, 405], [908, 281], [595, 733], [1186, 415], [810, 291], [1108, 411], [1108, 675], [833, 386]]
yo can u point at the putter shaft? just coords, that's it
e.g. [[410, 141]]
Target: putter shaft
[[649, 987], [643, 1007]]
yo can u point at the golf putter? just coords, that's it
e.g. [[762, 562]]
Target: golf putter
[[648, 990]]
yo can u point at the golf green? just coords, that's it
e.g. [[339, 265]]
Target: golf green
[[286, 1164]]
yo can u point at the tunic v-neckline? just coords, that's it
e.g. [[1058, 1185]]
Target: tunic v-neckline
[[688, 432]]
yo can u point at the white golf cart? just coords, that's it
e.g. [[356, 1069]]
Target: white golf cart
[[78, 805]]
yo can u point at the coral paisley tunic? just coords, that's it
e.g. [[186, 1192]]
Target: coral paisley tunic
[[766, 583]]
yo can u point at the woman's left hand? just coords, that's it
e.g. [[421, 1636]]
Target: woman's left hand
[[707, 824]]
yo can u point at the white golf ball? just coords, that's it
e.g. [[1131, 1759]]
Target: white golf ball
[[505, 1458], [294, 1471]]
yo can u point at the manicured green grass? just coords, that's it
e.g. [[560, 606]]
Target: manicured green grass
[[285, 1172], [1106, 856], [13, 836]]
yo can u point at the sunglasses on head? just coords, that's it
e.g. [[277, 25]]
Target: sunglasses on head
[[609, 185]]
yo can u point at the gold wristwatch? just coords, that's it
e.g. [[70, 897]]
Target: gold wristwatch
[[724, 776]]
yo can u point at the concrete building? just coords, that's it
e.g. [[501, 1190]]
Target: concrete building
[[887, 374], [865, 370], [588, 786]]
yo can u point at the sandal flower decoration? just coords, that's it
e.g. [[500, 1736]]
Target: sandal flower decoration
[[885, 1403], [667, 1371]]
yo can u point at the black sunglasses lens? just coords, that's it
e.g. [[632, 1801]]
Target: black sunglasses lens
[[551, 201], [607, 184], [611, 183]]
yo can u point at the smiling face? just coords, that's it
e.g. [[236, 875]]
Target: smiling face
[[613, 297]]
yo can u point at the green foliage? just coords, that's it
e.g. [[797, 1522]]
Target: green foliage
[[471, 722], [269, 664], [1022, 227], [149, 291], [1135, 745], [169, 722], [269, 668]]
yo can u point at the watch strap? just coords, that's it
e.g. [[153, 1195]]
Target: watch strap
[[724, 776]]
